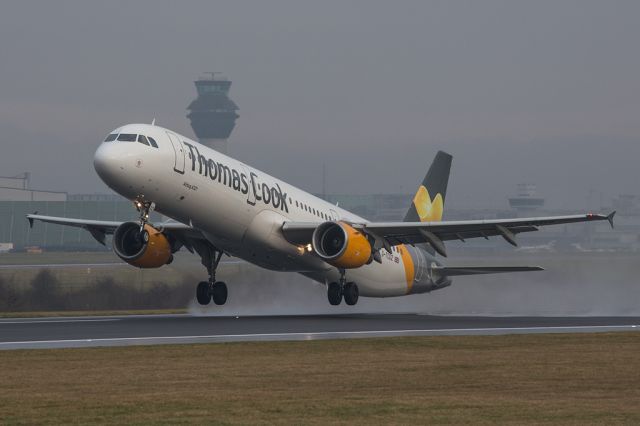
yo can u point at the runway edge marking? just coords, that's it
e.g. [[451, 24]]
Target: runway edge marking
[[312, 335]]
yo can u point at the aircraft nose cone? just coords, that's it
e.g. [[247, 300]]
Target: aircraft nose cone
[[105, 162]]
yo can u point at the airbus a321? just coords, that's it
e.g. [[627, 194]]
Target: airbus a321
[[219, 206]]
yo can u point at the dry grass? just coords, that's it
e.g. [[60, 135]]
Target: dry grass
[[565, 379]]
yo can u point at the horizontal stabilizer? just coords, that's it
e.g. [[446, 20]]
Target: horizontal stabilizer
[[450, 271]]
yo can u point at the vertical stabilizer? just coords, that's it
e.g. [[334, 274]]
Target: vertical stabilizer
[[428, 202]]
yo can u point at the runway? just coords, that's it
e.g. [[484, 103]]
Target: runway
[[73, 332]]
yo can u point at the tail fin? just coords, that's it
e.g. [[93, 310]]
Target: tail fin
[[428, 203]]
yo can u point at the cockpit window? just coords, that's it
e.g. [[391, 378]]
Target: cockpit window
[[143, 139], [127, 137], [153, 142], [111, 137]]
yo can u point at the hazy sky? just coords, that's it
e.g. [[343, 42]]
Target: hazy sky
[[540, 91]]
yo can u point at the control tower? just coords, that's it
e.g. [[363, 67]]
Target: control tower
[[212, 114]]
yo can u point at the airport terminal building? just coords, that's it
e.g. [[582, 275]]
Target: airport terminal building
[[17, 199]]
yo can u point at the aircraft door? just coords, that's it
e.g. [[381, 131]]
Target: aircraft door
[[251, 196], [178, 149]]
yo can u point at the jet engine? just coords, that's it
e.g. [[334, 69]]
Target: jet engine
[[342, 246], [147, 249]]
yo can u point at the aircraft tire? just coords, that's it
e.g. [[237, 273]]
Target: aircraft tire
[[219, 293], [334, 294], [202, 293], [351, 294]]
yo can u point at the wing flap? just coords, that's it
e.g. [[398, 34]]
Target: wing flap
[[408, 232]]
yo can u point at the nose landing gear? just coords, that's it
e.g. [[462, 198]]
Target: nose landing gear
[[144, 207]]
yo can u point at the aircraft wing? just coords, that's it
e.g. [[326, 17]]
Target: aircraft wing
[[100, 228], [387, 234]]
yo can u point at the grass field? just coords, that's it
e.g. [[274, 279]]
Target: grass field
[[542, 379]]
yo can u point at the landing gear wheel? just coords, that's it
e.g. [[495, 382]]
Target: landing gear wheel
[[202, 293], [334, 294], [351, 294], [219, 293]]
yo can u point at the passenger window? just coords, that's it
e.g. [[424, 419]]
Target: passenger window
[[153, 142], [111, 137], [143, 139], [127, 137]]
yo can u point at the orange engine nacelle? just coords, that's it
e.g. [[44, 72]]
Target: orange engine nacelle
[[341, 245], [147, 249]]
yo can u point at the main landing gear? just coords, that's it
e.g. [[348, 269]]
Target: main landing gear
[[337, 290], [212, 289]]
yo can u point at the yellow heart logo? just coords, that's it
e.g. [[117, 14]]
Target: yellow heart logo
[[428, 210]]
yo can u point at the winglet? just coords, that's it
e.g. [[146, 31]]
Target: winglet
[[610, 218], [30, 219]]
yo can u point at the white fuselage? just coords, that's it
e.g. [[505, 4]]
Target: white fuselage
[[239, 209]]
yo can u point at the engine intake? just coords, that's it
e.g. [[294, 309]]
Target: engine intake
[[340, 245], [147, 249]]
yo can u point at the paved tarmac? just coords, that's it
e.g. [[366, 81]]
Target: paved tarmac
[[71, 332]]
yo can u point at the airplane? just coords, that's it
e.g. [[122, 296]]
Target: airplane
[[220, 206]]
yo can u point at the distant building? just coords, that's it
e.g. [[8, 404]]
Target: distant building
[[17, 188], [627, 204], [96, 197], [378, 207], [15, 229], [526, 198], [213, 114]]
